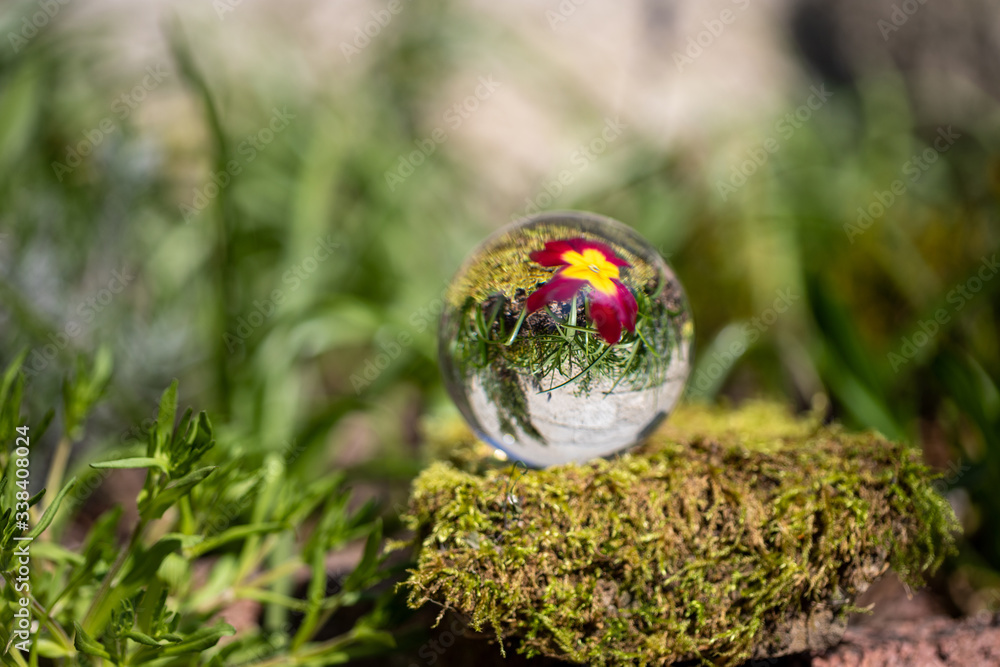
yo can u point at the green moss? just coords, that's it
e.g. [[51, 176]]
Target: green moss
[[506, 268], [725, 537]]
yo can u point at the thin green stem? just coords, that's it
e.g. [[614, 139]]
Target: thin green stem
[[278, 572], [651, 348], [187, 522], [625, 368], [263, 595], [18, 658], [517, 327], [99, 600], [315, 650], [581, 373], [56, 471]]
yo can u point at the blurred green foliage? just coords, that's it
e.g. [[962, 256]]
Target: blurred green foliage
[[145, 602], [268, 268]]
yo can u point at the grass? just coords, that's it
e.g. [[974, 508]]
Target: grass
[[548, 351]]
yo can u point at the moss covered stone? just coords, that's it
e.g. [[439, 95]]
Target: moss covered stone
[[729, 535]]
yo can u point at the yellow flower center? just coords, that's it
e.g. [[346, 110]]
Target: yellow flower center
[[591, 265]]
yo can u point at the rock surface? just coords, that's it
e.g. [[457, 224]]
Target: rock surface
[[730, 535]]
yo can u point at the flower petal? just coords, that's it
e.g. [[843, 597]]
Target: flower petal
[[559, 288], [583, 244], [604, 314], [610, 312], [552, 254], [629, 305], [601, 281]]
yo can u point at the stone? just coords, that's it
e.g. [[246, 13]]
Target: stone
[[728, 535]]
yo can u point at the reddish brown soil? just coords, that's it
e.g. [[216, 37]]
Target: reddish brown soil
[[914, 631], [936, 642]]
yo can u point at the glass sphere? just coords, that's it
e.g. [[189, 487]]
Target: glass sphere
[[565, 337]]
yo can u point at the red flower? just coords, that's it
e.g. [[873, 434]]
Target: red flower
[[586, 263]]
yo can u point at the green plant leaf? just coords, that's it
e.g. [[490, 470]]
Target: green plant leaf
[[50, 512], [134, 462], [19, 113], [33, 500], [83, 388], [366, 570], [39, 430], [237, 533], [154, 507], [11, 374], [100, 374], [165, 417], [148, 562], [56, 553], [141, 638], [11, 391], [200, 640], [338, 650], [189, 443], [84, 643], [50, 649]]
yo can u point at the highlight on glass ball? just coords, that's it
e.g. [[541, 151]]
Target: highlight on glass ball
[[565, 337]]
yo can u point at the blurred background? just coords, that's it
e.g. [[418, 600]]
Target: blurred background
[[266, 201]]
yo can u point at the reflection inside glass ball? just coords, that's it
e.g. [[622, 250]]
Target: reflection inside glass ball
[[565, 337]]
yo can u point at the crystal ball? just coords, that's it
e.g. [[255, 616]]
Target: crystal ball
[[565, 337]]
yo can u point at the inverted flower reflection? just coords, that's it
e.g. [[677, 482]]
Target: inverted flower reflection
[[587, 264]]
